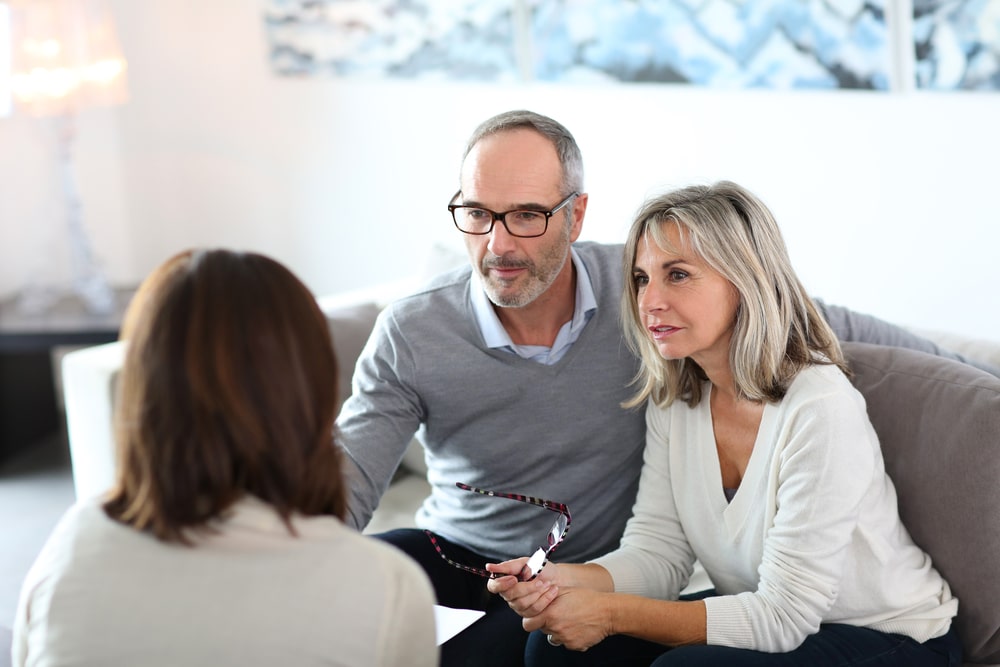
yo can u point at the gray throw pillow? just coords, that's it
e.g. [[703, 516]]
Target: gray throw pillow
[[938, 422]]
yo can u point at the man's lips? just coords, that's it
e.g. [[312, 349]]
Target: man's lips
[[506, 271]]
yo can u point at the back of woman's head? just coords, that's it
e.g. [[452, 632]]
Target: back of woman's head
[[229, 388], [777, 331]]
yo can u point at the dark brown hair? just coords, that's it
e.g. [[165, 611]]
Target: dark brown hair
[[229, 388]]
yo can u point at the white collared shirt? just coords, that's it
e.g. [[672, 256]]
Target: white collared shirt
[[496, 336]]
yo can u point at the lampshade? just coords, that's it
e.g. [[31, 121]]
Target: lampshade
[[4, 61], [65, 56]]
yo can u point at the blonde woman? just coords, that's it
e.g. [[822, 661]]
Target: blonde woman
[[760, 462]]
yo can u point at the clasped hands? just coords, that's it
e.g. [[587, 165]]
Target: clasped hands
[[571, 616]]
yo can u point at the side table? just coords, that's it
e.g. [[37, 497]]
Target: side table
[[28, 400]]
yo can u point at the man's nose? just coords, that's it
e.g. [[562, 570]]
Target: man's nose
[[501, 241]]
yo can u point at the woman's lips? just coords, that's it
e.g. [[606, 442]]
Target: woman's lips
[[661, 331]]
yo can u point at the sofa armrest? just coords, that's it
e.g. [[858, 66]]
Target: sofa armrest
[[980, 351]]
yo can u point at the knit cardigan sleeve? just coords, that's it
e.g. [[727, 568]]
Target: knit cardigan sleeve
[[655, 558]]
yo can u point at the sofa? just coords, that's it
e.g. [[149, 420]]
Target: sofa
[[938, 422]]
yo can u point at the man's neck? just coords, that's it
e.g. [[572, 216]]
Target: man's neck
[[539, 322]]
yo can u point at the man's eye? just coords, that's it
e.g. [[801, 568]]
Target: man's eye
[[477, 214], [527, 216]]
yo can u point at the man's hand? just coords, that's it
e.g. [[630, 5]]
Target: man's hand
[[526, 598]]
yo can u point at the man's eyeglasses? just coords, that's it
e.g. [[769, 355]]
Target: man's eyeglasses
[[526, 223], [557, 533]]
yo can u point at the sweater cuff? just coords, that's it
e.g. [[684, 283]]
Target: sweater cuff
[[727, 622], [626, 577]]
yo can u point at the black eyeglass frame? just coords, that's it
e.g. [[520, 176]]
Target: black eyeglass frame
[[502, 216], [539, 558]]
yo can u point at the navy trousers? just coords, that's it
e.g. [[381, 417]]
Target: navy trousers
[[835, 645], [497, 639]]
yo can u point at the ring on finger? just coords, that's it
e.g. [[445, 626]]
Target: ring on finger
[[552, 641]]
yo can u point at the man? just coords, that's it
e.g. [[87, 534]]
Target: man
[[513, 370]]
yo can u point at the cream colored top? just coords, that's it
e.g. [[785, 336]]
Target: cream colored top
[[812, 536], [101, 593]]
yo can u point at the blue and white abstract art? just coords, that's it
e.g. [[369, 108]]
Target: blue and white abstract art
[[782, 44], [720, 43], [957, 44]]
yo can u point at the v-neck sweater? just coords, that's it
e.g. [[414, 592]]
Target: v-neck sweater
[[497, 421], [812, 535]]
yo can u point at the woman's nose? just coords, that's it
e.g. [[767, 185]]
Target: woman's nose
[[650, 299]]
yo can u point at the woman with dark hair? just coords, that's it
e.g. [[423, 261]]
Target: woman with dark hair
[[760, 463], [221, 540]]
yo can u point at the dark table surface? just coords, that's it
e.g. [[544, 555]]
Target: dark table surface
[[28, 391], [66, 322]]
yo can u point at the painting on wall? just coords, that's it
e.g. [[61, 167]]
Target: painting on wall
[[721, 43], [415, 39], [775, 44], [957, 44]]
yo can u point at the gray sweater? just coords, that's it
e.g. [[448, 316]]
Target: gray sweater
[[494, 420]]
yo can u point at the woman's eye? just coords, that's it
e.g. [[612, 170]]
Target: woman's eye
[[640, 279], [677, 276]]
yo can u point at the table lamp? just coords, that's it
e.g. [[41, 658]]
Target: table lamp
[[65, 57]]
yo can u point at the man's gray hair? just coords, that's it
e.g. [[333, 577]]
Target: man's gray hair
[[566, 147]]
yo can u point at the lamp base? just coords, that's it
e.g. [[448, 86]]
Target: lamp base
[[92, 291], [88, 281]]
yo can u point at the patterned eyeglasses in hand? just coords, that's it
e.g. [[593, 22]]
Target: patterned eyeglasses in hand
[[541, 556]]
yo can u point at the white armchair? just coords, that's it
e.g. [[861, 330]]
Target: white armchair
[[89, 378]]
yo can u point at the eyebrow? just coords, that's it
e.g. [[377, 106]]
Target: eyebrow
[[666, 265], [516, 207], [527, 206]]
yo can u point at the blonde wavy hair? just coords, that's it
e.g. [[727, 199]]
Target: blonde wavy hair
[[778, 330]]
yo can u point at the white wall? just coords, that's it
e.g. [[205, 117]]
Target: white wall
[[886, 200]]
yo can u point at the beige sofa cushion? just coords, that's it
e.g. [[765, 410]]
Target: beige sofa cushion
[[939, 425], [350, 326]]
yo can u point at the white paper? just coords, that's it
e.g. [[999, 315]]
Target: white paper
[[451, 621]]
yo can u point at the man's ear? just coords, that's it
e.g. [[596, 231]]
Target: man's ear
[[579, 211]]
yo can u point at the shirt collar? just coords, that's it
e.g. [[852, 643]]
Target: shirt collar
[[497, 337]]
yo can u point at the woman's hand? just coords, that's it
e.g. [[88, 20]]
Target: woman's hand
[[571, 603], [578, 618], [526, 598]]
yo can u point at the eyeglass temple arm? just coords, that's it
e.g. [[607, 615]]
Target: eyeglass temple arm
[[540, 502]]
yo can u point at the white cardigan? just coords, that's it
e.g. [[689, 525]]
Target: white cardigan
[[812, 536], [101, 593]]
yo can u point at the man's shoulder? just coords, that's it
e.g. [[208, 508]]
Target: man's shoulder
[[600, 252], [448, 287], [604, 265]]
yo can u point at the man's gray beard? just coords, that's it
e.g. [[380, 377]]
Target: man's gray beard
[[535, 287], [517, 300]]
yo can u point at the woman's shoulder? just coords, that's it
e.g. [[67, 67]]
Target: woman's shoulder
[[820, 380]]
